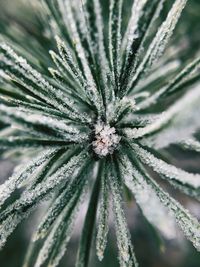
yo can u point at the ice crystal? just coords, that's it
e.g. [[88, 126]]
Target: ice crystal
[[106, 139]]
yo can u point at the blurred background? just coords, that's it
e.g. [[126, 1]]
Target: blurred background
[[151, 250]]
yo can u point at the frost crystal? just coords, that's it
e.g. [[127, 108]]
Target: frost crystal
[[106, 139]]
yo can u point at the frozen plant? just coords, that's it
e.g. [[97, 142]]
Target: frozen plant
[[89, 100]]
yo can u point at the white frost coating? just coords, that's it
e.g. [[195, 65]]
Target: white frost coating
[[156, 74], [28, 121], [125, 247], [158, 5], [28, 70], [51, 95], [61, 230], [184, 122], [127, 102], [102, 227], [114, 36], [53, 123], [116, 109], [55, 73], [191, 144], [131, 32], [182, 128], [106, 139], [14, 217], [100, 29], [62, 174], [141, 132], [187, 100], [188, 223], [70, 64], [147, 200], [172, 85], [7, 132], [160, 41], [22, 173], [62, 246], [32, 197], [143, 94], [169, 171], [68, 16], [70, 193], [141, 120], [9, 224], [165, 31], [51, 26], [64, 69], [105, 69], [3, 75]]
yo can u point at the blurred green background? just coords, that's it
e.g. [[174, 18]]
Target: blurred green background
[[150, 252]]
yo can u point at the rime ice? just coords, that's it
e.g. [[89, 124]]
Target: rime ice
[[106, 139]]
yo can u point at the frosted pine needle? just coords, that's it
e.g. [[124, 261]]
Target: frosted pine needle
[[88, 97]]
